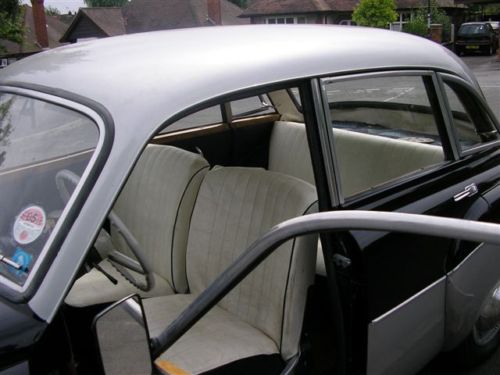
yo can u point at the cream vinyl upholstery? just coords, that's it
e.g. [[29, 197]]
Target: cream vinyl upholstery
[[264, 313], [364, 160], [156, 205], [367, 160], [289, 151]]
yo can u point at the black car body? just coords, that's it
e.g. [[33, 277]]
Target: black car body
[[184, 148], [473, 37]]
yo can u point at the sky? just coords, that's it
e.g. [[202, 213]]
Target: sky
[[64, 6]]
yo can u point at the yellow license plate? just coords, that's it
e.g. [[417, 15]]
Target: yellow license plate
[[472, 47]]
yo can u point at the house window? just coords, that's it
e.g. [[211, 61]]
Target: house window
[[285, 20]]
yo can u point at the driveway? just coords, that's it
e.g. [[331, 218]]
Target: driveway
[[487, 71]]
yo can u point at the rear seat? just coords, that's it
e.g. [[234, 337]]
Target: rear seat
[[380, 159], [165, 180]]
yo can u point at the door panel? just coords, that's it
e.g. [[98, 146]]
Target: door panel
[[420, 320], [406, 159]]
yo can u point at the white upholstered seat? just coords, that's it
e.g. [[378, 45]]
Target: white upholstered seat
[[156, 205], [289, 151], [263, 314]]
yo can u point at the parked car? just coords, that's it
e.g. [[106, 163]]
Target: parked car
[[148, 164], [476, 37]]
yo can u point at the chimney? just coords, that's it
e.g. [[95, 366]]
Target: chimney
[[214, 11], [40, 23]]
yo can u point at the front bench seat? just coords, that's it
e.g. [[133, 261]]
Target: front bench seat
[[263, 315], [156, 205]]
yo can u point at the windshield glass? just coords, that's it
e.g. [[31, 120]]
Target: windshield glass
[[472, 29], [41, 144]]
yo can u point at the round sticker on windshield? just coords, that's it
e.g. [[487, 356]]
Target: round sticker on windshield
[[29, 224]]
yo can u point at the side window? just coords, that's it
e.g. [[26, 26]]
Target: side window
[[207, 116], [251, 106], [383, 128], [472, 127]]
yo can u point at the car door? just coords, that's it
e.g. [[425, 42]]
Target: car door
[[395, 146]]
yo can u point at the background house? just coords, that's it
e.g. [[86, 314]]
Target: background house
[[34, 41], [151, 15], [331, 11]]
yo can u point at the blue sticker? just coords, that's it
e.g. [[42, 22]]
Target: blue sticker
[[22, 258]]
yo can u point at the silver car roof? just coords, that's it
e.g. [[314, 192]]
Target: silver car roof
[[144, 79]]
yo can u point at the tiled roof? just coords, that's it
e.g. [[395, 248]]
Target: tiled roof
[[149, 15], [109, 20]]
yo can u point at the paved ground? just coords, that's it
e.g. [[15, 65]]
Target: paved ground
[[487, 71]]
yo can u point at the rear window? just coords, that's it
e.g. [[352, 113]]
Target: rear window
[[472, 29]]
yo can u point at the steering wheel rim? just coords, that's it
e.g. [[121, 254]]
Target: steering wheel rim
[[121, 262]]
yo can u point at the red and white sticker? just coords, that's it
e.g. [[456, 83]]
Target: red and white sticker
[[29, 225]]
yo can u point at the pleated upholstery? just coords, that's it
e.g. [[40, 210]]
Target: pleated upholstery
[[289, 151], [235, 206], [156, 205]]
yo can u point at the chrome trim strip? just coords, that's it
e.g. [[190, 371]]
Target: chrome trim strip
[[447, 117], [326, 139]]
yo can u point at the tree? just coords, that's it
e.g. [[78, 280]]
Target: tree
[[375, 13], [52, 11], [105, 3], [10, 22]]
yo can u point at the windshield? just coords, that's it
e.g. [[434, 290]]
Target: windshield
[[40, 145], [472, 29]]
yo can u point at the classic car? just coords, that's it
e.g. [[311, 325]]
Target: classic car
[[475, 37], [296, 199]]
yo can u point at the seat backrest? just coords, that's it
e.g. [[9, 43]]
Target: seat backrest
[[156, 204], [364, 160], [289, 151], [367, 160], [235, 206]]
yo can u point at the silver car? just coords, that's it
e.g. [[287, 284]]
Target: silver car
[[279, 199]]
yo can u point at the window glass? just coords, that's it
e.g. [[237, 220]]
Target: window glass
[[44, 149], [254, 105], [383, 128], [207, 116], [465, 115]]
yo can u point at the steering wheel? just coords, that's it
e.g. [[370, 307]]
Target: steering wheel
[[121, 262]]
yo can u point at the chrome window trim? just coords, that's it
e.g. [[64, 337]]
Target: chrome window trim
[[443, 77], [388, 73], [99, 122], [326, 138], [445, 115]]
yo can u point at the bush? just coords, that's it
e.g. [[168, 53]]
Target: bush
[[375, 13]]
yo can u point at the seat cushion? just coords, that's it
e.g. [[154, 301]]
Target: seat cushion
[[217, 339], [94, 288]]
